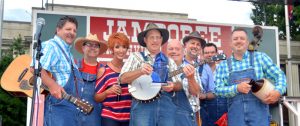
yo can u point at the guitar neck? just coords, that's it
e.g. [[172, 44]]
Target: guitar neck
[[180, 70], [64, 95], [83, 105], [69, 97]]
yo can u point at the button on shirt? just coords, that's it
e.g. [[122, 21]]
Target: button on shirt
[[264, 68], [54, 61], [194, 100]]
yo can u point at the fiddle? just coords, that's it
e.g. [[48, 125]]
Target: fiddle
[[257, 32]]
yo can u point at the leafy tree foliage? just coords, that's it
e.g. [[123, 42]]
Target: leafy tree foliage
[[12, 109], [274, 15]]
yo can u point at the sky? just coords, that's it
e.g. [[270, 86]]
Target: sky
[[219, 11]]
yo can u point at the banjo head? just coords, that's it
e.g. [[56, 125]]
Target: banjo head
[[143, 88]]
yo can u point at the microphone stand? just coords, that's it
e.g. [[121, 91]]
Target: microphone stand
[[37, 78]]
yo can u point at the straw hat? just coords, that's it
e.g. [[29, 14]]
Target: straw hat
[[90, 38]]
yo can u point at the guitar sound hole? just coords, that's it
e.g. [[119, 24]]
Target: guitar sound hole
[[25, 85]]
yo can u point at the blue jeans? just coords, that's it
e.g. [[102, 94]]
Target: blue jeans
[[212, 110], [160, 112]]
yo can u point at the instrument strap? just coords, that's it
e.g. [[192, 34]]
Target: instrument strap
[[72, 67]]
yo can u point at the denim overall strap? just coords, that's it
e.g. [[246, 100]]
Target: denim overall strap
[[251, 61], [79, 63], [200, 69], [72, 71], [76, 76], [245, 109], [229, 64], [144, 57]]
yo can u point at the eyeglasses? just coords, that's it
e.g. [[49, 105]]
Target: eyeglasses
[[91, 45], [154, 37], [212, 52]]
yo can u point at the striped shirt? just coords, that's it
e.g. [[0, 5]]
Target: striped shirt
[[54, 61], [264, 68], [113, 109], [135, 61], [194, 100]]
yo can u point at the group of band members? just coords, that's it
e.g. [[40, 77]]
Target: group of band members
[[200, 91]]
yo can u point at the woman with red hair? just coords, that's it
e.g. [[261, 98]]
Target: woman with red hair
[[114, 96]]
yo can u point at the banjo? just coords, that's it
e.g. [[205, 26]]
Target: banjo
[[145, 89]]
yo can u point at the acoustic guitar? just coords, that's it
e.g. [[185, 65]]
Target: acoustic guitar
[[18, 80]]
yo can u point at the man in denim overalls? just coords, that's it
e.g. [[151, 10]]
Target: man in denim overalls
[[91, 48], [212, 107], [58, 60], [233, 76], [160, 111], [186, 99]]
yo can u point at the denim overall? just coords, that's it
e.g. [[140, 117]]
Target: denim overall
[[62, 112], [212, 109], [160, 112], [184, 113], [245, 109], [88, 92]]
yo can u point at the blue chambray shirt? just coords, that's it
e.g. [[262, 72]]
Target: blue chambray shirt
[[54, 61], [207, 79], [264, 68]]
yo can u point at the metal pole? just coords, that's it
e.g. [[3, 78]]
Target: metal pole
[[1, 24], [288, 45], [298, 116], [289, 67], [281, 114]]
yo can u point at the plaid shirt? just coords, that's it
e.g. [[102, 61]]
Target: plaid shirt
[[134, 62], [264, 68], [54, 61], [194, 100]]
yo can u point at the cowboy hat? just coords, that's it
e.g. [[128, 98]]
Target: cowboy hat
[[152, 26], [195, 35], [90, 38]]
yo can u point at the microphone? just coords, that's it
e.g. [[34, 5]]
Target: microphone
[[40, 22]]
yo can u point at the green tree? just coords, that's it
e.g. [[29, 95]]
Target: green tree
[[17, 48], [12, 109], [274, 15]]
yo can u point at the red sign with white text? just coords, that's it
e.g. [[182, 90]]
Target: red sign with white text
[[104, 26]]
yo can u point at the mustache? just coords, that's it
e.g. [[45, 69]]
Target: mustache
[[70, 35]]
